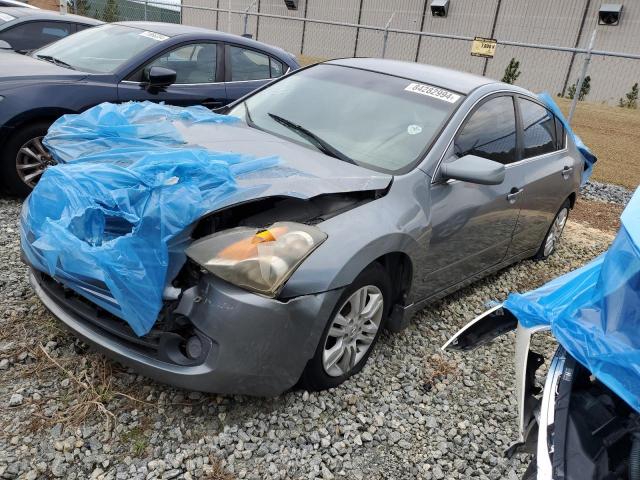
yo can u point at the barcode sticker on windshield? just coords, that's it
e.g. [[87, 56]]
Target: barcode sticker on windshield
[[434, 92], [154, 36]]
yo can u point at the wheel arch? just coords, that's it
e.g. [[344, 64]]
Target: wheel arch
[[35, 115]]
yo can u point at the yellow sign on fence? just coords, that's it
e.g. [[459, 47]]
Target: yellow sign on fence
[[483, 47]]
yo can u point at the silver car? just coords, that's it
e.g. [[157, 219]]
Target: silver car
[[405, 183]]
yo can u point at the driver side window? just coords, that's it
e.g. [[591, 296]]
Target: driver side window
[[195, 63], [490, 132]]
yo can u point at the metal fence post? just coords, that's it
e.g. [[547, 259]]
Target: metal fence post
[[386, 34], [146, 3], [583, 74], [246, 17]]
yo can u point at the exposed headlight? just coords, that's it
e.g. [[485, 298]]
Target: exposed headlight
[[261, 260]]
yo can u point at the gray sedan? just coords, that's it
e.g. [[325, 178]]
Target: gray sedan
[[405, 183]]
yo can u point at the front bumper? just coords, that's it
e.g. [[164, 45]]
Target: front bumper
[[258, 345]]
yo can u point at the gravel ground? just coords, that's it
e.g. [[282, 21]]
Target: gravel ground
[[413, 412], [605, 192]]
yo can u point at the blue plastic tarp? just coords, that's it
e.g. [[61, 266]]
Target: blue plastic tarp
[[594, 312], [589, 158], [102, 221]]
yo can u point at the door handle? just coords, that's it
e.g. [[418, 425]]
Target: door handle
[[513, 194], [566, 172]]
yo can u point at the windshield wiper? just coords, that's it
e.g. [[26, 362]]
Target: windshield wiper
[[55, 61], [321, 144], [247, 116]]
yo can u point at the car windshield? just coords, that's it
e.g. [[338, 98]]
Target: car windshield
[[374, 120], [102, 49]]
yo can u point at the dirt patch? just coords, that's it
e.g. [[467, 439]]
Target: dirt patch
[[600, 215]]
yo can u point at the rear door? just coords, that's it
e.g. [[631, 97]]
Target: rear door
[[247, 69], [199, 71], [549, 170], [472, 224]]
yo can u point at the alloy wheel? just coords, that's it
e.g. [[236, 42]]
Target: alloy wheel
[[32, 160], [555, 232], [353, 330]]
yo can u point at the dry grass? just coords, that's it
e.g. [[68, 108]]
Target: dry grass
[[216, 471], [613, 134], [90, 392], [305, 60], [436, 368]]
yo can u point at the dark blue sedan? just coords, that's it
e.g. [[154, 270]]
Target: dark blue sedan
[[118, 62]]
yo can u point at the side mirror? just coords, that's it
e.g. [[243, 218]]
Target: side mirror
[[474, 169], [4, 45], [160, 77]]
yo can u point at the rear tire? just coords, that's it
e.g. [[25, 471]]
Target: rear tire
[[31, 164], [351, 332], [551, 239]]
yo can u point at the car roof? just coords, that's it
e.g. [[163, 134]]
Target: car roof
[[460, 82], [16, 3], [176, 29], [38, 14]]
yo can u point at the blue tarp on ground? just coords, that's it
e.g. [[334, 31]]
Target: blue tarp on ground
[[102, 220], [594, 312], [589, 158]]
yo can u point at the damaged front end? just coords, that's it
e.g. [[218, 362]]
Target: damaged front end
[[585, 423], [170, 256]]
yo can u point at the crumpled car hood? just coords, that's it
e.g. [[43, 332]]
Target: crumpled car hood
[[111, 221], [305, 172]]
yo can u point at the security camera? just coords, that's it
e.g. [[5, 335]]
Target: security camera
[[439, 8], [609, 14], [291, 4]]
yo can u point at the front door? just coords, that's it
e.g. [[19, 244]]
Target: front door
[[197, 75], [472, 224]]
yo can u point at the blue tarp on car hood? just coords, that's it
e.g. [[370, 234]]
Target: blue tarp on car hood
[[102, 221], [594, 312]]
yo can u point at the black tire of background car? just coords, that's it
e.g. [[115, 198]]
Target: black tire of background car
[[314, 377], [10, 179], [531, 473], [540, 253]]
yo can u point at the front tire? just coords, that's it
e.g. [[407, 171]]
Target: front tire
[[351, 332], [23, 158], [554, 233]]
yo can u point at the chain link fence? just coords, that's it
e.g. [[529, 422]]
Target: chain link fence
[[549, 38]]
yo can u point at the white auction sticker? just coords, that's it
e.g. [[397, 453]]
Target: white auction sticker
[[6, 17], [154, 36], [434, 92]]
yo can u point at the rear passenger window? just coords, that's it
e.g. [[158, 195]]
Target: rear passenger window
[[248, 65], [277, 69], [490, 132], [539, 129]]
